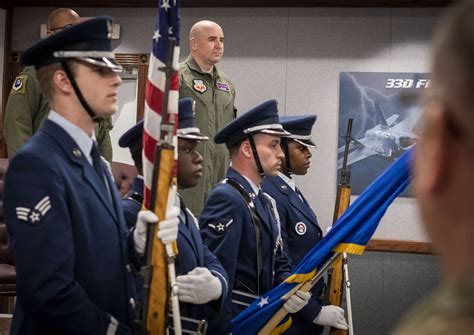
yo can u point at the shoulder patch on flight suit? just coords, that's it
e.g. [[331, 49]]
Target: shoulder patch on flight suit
[[19, 85], [199, 86], [221, 227], [34, 215], [223, 86]]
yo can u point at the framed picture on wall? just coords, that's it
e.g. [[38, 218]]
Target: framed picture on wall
[[385, 111]]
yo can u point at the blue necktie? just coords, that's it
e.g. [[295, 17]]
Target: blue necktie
[[299, 194], [97, 163]]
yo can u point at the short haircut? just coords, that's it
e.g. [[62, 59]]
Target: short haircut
[[45, 77], [234, 147]]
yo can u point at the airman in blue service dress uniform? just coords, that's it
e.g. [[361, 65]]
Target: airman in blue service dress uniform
[[202, 281], [73, 253], [238, 222], [299, 225], [132, 202]]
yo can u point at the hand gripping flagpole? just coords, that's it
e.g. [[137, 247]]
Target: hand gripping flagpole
[[304, 286]]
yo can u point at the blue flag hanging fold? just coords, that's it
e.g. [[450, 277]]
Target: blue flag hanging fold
[[350, 234]]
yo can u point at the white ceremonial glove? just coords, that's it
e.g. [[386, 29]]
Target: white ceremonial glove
[[297, 301], [199, 286], [144, 218], [168, 229], [331, 316]]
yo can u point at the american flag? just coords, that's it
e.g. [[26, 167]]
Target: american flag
[[166, 26]]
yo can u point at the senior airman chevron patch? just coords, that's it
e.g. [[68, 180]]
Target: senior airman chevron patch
[[34, 215]]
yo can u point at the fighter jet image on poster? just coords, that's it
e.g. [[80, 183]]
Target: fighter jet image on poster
[[387, 139], [383, 126]]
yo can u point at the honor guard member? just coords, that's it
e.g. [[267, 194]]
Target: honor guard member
[[27, 107], [133, 200], [299, 225], [201, 279], [238, 222], [74, 255], [214, 94]]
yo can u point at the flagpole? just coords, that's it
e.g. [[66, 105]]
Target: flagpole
[[348, 293], [160, 172], [338, 275]]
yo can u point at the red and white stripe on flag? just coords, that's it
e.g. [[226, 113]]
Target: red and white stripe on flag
[[167, 25]]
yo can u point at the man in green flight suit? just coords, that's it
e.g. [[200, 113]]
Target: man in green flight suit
[[27, 108], [214, 94]]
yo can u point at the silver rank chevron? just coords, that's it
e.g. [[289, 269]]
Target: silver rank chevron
[[34, 215]]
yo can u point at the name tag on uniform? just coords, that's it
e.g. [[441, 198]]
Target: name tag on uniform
[[223, 86]]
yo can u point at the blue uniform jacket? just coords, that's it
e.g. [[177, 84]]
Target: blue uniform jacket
[[131, 206], [69, 239], [193, 253], [228, 231], [300, 233]]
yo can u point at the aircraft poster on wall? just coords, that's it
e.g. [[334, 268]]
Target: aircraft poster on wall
[[385, 115]]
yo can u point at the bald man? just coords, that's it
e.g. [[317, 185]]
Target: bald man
[[214, 94], [27, 108], [60, 19], [444, 181]]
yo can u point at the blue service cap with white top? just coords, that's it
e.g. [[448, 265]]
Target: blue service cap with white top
[[187, 128], [299, 128], [260, 119], [89, 41]]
